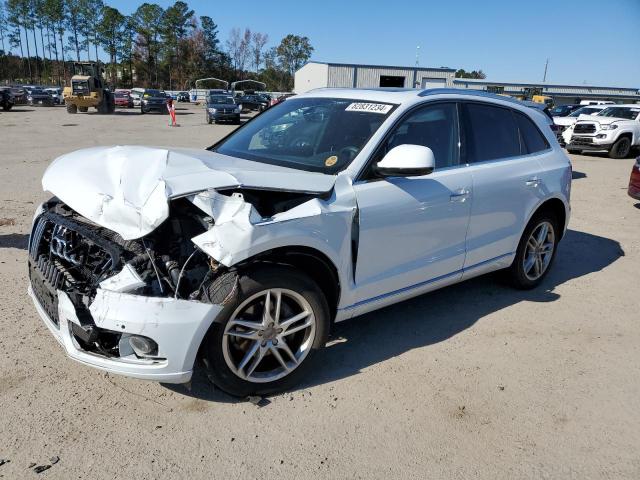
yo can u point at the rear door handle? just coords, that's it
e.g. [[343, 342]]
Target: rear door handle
[[459, 195]]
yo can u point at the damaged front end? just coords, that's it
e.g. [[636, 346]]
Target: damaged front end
[[135, 307], [141, 307]]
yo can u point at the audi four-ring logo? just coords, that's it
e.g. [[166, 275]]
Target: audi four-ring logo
[[64, 245]]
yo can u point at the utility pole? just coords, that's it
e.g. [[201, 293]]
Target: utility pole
[[417, 56], [546, 65]]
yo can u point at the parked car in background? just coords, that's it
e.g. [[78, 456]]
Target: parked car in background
[[153, 100], [565, 124], [252, 102], [634, 181], [222, 107], [335, 203], [19, 95], [280, 99], [615, 130], [563, 110], [6, 99], [37, 96], [123, 99], [183, 97], [56, 95], [597, 102], [136, 96]]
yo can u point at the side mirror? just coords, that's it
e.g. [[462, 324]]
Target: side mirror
[[406, 161]]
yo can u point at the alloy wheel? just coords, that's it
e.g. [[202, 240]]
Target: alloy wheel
[[539, 251], [269, 335]]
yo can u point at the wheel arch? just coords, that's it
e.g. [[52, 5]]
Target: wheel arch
[[311, 261], [555, 206]]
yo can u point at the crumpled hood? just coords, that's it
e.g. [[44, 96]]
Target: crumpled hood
[[127, 188]]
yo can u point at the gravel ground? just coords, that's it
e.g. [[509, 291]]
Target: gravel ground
[[476, 380]]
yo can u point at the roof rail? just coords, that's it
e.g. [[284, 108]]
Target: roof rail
[[460, 91]]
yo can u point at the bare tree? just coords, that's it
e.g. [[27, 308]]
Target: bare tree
[[258, 42]]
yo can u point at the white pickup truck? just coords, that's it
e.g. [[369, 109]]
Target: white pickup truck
[[616, 130]]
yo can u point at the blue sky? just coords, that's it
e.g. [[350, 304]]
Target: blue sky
[[587, 41]]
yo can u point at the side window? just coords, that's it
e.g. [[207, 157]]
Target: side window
[[532, 139], [491, 133], [433, 126]]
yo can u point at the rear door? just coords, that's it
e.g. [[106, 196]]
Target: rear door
[[507, 181]]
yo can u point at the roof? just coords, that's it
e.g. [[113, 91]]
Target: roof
[[397, 67]]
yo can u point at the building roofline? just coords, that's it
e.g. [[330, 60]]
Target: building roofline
[[398, 67], [537, 84]]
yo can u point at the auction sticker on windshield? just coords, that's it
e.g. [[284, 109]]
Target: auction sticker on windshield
[[382, 108]]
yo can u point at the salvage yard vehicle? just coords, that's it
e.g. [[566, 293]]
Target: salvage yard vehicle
[[87, 90], [253, 102], [37, 96], [565, 124], [634, 181], [615, 130], [222, 107], [564, 110], [56, 95], [327, 206], [123, 99], [153, 100], [6, 99]]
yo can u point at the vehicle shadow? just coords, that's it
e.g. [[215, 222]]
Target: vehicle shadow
[[19, 110], [14, 240], [575, 175], [437, 316]]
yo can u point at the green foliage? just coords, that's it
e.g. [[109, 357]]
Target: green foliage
[[477, 74], [168, 48]]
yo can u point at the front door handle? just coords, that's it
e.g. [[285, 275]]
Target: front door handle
[[459, 195]]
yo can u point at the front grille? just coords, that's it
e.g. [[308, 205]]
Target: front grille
[[584, 128], [68, 255], [226, 110], [581, 140]]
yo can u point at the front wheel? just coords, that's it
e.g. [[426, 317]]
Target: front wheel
[[621, 148], [72, 108], [7, 106], [536, 251], [265, 338]]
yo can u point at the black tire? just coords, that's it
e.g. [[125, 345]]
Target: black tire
[[621, 148], [516, 271], [142, 110], [7, 107], [209, 121], [72, 108], [251, 283]]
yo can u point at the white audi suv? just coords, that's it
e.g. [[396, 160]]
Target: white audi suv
[[329, 205]]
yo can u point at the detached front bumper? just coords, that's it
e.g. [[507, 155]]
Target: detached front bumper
[[177, 326]]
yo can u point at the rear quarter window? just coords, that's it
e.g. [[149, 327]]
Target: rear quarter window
[[532, 139]]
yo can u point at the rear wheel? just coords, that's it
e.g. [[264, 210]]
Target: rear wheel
[[536, 251], [621, 148], [7, 106], [72, 108], [265, 338]]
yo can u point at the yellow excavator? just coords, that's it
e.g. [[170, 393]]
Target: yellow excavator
[[87, 90]]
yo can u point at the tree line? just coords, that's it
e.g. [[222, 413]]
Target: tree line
[[153, 47]]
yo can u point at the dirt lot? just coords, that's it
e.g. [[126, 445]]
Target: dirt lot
[[476, 380]]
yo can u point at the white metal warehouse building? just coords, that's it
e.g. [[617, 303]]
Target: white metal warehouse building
[[346, 75], [319, 75]]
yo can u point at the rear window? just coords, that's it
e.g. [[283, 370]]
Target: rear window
[[533, 141], [491, 133]]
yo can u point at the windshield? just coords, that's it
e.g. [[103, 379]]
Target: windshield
[[220, 100], [314, 134], [620, 112]]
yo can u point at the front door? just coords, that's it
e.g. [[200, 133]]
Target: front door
[[412, 229]]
